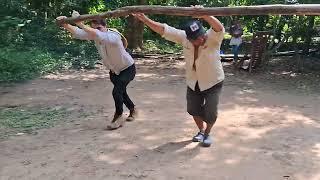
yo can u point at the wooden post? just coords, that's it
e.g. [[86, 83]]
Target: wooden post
[[301, 9]]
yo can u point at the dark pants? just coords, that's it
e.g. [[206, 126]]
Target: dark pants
[[204, 103], [235, 51], [119, 91]]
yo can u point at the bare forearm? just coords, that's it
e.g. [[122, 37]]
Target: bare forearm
[[70, 28], [214, 23], [155, 26]]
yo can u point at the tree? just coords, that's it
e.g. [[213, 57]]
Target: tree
[[134, 30]]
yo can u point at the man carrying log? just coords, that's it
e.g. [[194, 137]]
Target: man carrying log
[[114, 57], [204, 72]]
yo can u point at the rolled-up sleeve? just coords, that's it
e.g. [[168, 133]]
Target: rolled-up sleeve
[[173, 34], [81, 34], [216, 36]]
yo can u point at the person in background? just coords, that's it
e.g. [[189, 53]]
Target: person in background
[[236, 40]]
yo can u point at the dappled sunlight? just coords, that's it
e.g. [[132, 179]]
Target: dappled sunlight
[[245, 91], [115, 135], [248, 99], [314, 176], [233, 161], [79, 75], [64, 90], [151, 138], [128, 147], [254, 133], [248, 113], [316, 150], [146, 75], [109, 159], [298, 117], [204, 157], [60, 77], [188, 147], [167, 96]]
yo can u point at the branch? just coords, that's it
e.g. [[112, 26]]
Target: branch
[[303, 9]]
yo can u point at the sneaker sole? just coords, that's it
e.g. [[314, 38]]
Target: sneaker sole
[[113, 128], [205, 145], [195, 140], [130, 119]]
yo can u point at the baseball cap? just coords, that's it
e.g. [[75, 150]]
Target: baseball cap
[[194, 29]]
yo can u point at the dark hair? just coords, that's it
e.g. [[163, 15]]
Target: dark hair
[[98, 21]]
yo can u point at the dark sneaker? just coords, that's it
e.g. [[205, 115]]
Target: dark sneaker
[[198, 138], [133, 115], [116, 123], [207, 141]]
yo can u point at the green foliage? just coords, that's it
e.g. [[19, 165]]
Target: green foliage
[[161, 47], [22, 65]]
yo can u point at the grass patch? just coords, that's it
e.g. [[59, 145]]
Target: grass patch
[[28, 120]]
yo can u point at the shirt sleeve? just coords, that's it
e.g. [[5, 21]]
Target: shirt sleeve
[[216, 36], [173, 34], [111, 38], [81, 34]]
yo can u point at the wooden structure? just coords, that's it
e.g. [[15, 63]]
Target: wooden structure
[[254, 51]]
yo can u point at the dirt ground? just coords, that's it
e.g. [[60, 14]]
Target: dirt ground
[[268, 128]]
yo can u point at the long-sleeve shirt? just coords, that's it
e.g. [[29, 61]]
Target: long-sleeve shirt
[[111, 49], [209, 70]]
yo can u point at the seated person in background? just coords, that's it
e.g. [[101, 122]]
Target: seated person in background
[[236, 40]]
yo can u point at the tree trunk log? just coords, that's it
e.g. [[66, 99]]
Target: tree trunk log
[[134, 30], [303, 9]]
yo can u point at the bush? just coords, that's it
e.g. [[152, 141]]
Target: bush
[[22, 65]]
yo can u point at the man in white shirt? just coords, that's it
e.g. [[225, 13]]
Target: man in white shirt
[[204, 72], [115, 58]]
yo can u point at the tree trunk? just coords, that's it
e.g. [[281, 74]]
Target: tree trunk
[[309, 34], [134, 33], [134, 30], [295, 37]]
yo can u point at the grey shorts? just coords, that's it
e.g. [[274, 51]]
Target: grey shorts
[[204, 103]]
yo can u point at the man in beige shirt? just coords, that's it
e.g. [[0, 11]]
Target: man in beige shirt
[[204, 72]]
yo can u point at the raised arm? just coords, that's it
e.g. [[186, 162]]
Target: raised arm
[[68, 27], [167, 32], [214, 23], [155, 26], [85, 33]]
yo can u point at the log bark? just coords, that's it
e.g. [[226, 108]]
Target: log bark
[[303, 9]]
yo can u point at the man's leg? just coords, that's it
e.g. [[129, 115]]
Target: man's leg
[[195, 109], [211, 110], [127, 101], [235, 51], [127, 76], [117, 94], [118, 101], [200, 123]]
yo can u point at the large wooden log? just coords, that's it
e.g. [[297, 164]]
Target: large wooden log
[[301, 9]]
